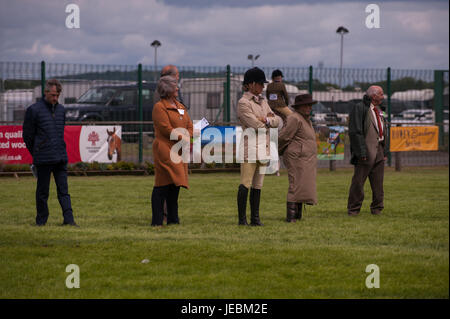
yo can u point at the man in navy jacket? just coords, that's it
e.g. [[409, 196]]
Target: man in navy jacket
[[43, 133]]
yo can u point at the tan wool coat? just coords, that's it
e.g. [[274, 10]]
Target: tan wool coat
[[297, 141], [249, 108], [166, 118]]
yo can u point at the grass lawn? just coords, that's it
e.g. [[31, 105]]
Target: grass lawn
[[208, 256]]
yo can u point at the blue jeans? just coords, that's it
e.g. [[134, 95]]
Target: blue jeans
[[42, 191]]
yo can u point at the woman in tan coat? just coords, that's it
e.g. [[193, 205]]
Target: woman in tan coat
[[297, 143], [171, 172], [255, 116]]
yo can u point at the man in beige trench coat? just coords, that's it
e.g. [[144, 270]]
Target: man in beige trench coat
[[297, 144]]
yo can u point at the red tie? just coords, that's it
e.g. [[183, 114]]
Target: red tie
[[380, 128]]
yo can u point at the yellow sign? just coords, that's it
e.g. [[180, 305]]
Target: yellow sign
[[414, 138]]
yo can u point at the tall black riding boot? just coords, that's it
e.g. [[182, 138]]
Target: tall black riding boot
[[298, 213], [291, 212], [255, 196], [242, 204]]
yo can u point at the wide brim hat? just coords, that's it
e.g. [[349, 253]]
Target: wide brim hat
[[303, 99]]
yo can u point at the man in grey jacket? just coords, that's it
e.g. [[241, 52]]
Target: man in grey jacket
[[368, 134]]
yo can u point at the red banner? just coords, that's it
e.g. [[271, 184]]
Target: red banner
[[12, 146], [83, 144], [72, 139]]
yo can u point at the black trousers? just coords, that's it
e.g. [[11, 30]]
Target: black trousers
[[168, 194], [42, 191]]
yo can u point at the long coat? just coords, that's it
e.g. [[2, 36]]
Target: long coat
[[297, 143], [43, 132], [253, 148], [165, 119]]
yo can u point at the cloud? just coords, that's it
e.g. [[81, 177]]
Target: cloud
[[288, 33]]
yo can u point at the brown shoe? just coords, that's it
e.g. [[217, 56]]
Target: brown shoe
[[376, 212], [353, 213]]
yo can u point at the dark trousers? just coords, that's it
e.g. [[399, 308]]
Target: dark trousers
[[42, 191], [168, 194], [375, 173]]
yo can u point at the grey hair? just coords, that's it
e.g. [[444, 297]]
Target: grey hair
[[166, 86], [51, 83], [372, 90]]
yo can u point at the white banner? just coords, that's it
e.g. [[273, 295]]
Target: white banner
[[101, 144]]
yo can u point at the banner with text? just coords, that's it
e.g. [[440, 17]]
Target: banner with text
[[84, 144], [414, 138]]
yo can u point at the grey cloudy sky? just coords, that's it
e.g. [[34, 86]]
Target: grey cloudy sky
[[413, 34]]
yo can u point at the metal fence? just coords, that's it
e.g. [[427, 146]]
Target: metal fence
[[123, 95]]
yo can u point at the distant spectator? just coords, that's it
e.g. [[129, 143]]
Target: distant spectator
[[171, 70], [277, 95]]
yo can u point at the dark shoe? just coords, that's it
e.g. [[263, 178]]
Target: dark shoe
[[70, 224], [255, 197], [353, 213], [242, 204], [39, 225], [376, 212], [298, 214], [291, 212]]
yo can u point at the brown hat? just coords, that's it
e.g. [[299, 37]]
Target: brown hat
[[303, 99]]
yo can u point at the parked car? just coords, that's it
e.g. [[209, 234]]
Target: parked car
[[413, 116], [323, 115], [113, 103]]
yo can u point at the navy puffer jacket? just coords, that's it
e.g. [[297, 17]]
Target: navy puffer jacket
[[43, 132]]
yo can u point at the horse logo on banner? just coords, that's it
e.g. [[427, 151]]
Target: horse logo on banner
[[114, 145]]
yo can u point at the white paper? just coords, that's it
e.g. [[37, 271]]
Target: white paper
[[200, 125]]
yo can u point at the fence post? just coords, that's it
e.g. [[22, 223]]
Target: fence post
[[310, 80], [228, 100], [224, 104], [42, 78], [141, 117], [438, 102], [389, 93]]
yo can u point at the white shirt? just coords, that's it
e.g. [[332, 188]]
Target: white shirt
[[372, 108]]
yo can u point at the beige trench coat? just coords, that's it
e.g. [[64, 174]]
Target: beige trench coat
[[298, 141], [249, 108]]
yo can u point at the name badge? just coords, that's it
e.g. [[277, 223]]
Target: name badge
[[181, 111], [273, 97]]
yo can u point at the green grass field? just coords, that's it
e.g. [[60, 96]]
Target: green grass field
[[209, 256]]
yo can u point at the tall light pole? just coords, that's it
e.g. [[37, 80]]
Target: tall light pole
[[253, 58], [156, 44], [341, 30]]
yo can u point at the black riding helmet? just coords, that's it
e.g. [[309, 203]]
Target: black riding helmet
[[254, 75], [276, 73]]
